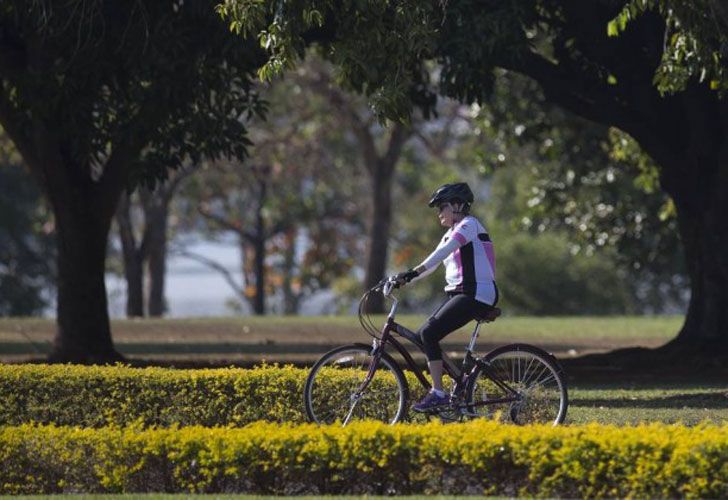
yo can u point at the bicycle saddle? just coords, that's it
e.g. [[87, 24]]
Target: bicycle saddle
[[490, 316]]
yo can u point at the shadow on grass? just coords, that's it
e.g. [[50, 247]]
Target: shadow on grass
[[710, 400], [665, 365]]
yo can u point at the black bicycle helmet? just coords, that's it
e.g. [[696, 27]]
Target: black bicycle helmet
[[458, 192]]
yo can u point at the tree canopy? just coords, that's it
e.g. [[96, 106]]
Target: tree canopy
[[696, 40], [591, 182], [99, 96], [383, 50]]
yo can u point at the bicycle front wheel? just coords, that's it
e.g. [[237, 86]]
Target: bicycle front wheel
[[536, 391], [343, 386]]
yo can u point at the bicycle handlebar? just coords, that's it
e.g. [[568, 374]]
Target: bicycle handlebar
[[386, 287]]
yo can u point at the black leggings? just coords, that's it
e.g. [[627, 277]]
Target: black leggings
[[455, 312]]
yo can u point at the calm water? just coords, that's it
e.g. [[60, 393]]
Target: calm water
[[193, 289]]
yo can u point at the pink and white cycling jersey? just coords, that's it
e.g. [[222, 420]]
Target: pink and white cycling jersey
[[469, 261]]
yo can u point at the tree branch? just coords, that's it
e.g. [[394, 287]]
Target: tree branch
[[169, 189], [212, 264], [147, 200], [322, 85], [126, 232], [226, 224], [593, 102], [435, 147], [643, 118], [128, 148], [400, 134]]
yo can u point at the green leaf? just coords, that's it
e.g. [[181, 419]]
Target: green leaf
[[612, 29]]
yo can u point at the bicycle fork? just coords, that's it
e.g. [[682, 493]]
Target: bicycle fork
[[357, 395]]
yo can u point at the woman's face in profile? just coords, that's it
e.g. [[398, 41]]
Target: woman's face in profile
[[446, 214]]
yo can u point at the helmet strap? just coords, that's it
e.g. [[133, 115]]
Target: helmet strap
[[462, 209], [458, 214]]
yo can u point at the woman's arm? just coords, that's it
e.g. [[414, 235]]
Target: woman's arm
[[434, 259], [457, 239], [422, 271]]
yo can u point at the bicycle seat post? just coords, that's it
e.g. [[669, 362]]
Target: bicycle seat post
[[474, 337]]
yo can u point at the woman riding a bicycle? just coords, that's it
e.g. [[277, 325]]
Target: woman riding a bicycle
[[469, 258], [518, 383]]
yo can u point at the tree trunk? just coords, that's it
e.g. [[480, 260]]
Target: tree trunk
[[687, 135], [381, 219], [133, 260], [84, 332], [704, 232], [259, 270], [247, 255], [705, 329], [291, 298], [259, 249], [157, 254]]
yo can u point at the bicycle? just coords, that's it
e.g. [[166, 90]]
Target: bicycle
[[519, 383]]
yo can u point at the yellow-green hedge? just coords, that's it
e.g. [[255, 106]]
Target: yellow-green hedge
[[478, 457], [118, 395]]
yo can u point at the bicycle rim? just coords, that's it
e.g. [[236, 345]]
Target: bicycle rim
[[333, 392], [534, 377]]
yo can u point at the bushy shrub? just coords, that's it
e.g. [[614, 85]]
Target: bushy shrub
[[538, 275], [97, 396], [478, 457], [118, 395]]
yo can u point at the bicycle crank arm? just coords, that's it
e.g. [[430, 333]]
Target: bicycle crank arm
[[489, 402]]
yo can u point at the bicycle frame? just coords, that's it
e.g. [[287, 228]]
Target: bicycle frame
[[459, 376]]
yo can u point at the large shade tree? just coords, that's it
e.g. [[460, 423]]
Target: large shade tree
[[99, 96], [383, 48]]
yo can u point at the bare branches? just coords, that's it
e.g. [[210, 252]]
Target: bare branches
[[321, 83], [212, 264], [169, 189], [230, 225]]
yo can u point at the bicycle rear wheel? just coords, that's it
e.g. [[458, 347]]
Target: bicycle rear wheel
[[532, 373], [337, 389]]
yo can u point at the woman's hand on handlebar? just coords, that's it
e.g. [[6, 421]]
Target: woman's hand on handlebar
[[404, 277], [396, 281]]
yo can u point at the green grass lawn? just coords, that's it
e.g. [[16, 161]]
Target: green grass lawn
[[622, 403], [290, 327], [303, 339]]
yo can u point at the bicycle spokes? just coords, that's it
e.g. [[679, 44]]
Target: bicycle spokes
[[344, 386], [520, 387]]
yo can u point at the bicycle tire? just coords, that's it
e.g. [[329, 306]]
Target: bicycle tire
[[537, 376], [330, 401]]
